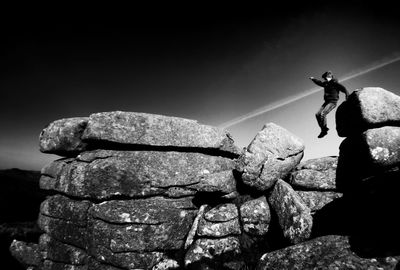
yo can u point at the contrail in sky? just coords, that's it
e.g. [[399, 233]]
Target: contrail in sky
[[293, 98]]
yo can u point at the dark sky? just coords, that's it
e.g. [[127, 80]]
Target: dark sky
[[201, 62]]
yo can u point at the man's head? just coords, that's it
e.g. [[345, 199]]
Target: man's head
[[328, 75]]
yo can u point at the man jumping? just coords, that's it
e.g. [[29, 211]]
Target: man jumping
[[331, 96]]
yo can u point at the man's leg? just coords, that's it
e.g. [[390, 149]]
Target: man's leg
[[326, 108]]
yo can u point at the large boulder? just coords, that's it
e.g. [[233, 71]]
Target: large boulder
[[294, 216], [272, 154], [370, 107], [327, 252], [130, 128], [315, 174], [104, 174], [64, 137]]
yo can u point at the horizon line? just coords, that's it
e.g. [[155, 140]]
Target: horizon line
[[285, 101]]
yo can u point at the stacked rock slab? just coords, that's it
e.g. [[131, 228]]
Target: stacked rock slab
[[126, 194]]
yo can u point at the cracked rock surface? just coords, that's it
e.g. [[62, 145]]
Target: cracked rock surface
[[272, 154]]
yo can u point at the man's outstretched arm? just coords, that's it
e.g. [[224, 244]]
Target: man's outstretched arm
[[317, 82]]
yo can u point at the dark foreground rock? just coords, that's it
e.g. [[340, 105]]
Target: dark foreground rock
[[272, 154], [327, 252]]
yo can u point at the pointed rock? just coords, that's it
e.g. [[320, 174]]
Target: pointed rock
[[272, 154], [294, 216]]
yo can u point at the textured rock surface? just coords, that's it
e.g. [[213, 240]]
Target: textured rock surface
[[156, 130], [59, 252], [367, 108], [105, 174], [327, 252], [212, 252], [142, 225], [255, 216], [315, 174], [27, 254], [272, 154], [315, 200], [294, 216], [64, 137], [220, 221]]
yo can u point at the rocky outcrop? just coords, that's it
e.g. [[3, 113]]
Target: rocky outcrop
[[272, 154], [141, 191]]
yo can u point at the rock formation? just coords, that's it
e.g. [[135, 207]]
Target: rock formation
[[142, 191]]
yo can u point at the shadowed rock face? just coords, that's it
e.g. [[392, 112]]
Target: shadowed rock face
[[367, 154], [370, 107], [327, 252], [272, 154]]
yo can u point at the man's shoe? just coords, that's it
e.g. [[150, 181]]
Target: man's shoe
[[323, 133]]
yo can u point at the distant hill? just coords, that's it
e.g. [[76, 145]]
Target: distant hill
[[20, 196]]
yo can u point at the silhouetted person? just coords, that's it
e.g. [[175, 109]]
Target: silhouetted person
[[331, 96]]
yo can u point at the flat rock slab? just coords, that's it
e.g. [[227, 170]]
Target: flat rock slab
[[142, 237], [64, 137], [315, 174], [326, 252], [151, 211], [316, 200], [272, 154], [131, 128], [105, 173], [64, 231], [367, 108], [294, 216], [255, 216]]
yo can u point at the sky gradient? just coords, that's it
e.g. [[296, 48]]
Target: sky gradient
[[208, 66]]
